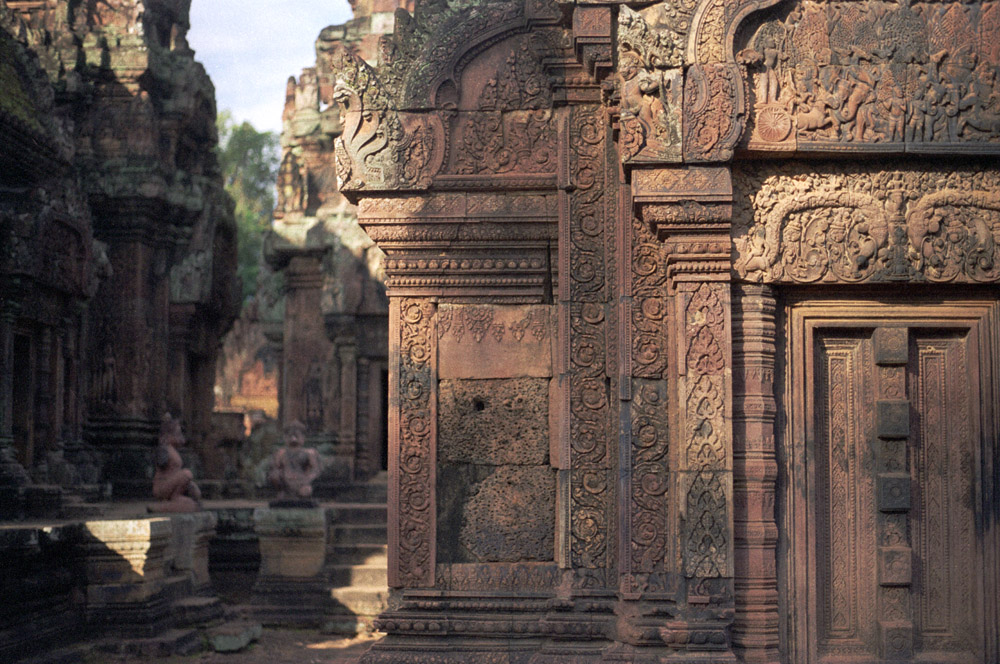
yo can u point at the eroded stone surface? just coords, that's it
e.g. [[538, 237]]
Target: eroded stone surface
[[493, 422], [510, 516]]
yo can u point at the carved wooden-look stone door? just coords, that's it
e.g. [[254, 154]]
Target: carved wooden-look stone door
[[889, 441]]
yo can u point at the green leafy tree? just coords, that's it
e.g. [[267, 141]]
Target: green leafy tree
[[249, 162]]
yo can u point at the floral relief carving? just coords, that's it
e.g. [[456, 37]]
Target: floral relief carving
[[416, 431], [649, 478], [589, 406], [706, 436], [714, 112], [869, 227]]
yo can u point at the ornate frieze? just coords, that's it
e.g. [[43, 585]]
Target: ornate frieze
[[587, 325], [880, 76], [795, 225]]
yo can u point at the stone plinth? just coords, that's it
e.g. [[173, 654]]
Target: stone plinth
[[125, 566], [188, 548], [291, 587]]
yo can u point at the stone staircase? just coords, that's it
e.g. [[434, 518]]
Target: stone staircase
[[357, 559]]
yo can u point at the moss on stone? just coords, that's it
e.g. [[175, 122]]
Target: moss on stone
[[15, 100]]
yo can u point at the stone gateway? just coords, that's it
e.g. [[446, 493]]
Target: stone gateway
[[694, 329]]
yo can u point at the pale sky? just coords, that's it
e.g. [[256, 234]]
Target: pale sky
[[251, 47]]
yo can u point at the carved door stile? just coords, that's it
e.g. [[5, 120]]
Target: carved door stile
[[412, 448], [888, 445], [586, 286]]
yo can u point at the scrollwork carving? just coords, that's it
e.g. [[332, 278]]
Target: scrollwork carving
[[714, 112], [589, 406], [870, 227], [416, 507]]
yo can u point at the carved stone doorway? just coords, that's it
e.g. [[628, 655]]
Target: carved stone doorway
[[888, 520]]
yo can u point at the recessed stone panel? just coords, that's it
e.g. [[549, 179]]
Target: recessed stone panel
[[510, 516], [493, 422]]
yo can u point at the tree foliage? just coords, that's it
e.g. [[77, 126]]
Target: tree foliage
[[249, 161]]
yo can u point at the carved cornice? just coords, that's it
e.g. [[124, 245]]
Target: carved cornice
[[469, 244]]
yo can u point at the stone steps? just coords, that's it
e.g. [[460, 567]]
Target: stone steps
[[357, 564], [359, 554], [170, 642], [353, 533], [357, 513], [368, 492], [197, 611], [368, 575], [362, 601], [178, 586]]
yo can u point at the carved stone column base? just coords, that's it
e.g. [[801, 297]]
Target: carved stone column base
[[126, 568]]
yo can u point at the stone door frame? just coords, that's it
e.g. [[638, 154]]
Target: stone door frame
[[797, 312]]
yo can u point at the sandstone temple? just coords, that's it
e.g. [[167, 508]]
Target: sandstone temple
[[692, 311]]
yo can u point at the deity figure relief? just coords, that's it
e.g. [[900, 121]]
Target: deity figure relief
[[312, 392], [294, 467], [173, 484], [646, 100], [291, 185]]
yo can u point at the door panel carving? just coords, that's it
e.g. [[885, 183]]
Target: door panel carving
[[884, 471]]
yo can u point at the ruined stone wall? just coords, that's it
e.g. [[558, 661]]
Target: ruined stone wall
[[608, 283], [334, 341], [136, 113]]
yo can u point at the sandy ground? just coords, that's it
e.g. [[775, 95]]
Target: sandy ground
[[275, 646]]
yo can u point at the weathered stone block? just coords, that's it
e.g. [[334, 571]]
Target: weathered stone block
[[292, 541], [893, 418], [493, 422], [510, 516], [893, 492], [895, 565]]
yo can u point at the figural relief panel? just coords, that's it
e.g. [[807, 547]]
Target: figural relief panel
[[866, 224], [836, 76]]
